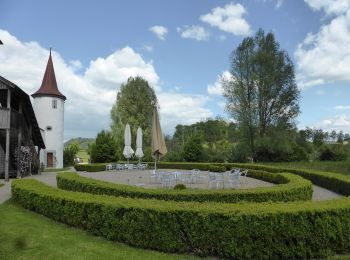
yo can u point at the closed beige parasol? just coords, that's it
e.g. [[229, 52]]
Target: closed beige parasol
[[158, 143]]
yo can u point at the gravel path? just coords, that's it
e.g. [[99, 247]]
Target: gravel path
[[141, 178]]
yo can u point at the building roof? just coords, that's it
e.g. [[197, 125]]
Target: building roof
[[28, 112], [49, 85]]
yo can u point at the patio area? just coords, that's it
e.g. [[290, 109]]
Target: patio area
[[167, 178]]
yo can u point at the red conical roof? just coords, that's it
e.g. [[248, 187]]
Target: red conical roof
[[49, 85]]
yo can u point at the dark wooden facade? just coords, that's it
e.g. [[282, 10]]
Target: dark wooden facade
[[18, 127]]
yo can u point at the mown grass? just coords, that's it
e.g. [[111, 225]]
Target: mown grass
[[27, 235], [340, 167], [56, 170]]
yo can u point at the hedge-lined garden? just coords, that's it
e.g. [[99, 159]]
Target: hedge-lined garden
[[241, 230], [336, 182], [290, 188]]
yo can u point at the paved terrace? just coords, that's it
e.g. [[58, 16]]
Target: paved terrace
[[142, 178]]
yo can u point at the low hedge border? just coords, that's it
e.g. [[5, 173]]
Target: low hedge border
[[336, 182], [333, 181], [241, 231], [290, 188], [94, 167]]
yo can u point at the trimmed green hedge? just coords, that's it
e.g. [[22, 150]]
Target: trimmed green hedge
[[240, 231], [290, 188], [215, 168], [333, 181], [95, 167], [336, 182], [1, 184]]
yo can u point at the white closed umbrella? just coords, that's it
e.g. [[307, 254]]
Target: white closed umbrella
[[139, 153], [128, 151]]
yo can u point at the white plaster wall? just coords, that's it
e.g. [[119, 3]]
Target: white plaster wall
[[48, 116]]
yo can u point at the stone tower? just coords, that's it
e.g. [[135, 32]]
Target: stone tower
[[49, 111]]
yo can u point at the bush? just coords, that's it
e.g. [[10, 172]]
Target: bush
[[291, 188], [193, 150], [180, 186], [329, 180], [215, 168], [69, 154], [96, 167], [333, 153], [240, 231], [103, 149]]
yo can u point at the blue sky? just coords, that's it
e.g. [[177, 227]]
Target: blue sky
[[181, 47]]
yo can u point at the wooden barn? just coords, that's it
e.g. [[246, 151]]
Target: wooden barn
[[20, 136]]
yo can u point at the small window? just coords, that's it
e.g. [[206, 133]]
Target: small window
[[54, 104], [49, 128]]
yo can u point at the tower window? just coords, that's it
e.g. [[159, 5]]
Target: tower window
[[49, 128], [54, 104]]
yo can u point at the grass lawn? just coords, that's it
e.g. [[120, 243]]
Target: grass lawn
[[84, 155], [341, 166], [56, 170], [27, 235], [1, 184]]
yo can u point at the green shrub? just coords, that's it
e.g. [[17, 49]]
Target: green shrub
[[193, 149], [95, 167], [290, 188], [241, 231], [180, 186], [333, 153], [69, 154], [215, 168], [104, 148], [333, 181]]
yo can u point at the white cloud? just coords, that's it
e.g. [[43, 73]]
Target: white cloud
[[324, 57], [75, 64], [342, 107], [194, 32], [148, 48], [279, 3], [216, 89], [320, 92], [222, 37], [177, 108], [338, 122], [222, 104], [114, 70], [330, 7], [228, 19], [159, 31], [91, 95]]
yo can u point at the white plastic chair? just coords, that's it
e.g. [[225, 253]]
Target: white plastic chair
[[233, 179]]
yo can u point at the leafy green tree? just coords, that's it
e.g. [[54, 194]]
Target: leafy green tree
[[340, 137], [262, 92], [69, 154], [193, 150], [134, 105], [104, 148]]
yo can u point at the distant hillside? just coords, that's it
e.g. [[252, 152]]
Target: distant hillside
[[83, 142]]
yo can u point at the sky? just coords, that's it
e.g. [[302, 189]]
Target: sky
[[182, 48]]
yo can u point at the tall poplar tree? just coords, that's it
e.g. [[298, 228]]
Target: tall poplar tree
[[262, 93]]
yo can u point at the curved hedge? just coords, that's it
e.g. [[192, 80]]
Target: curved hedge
[[290, 188], [336, 182], [242, 231]]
